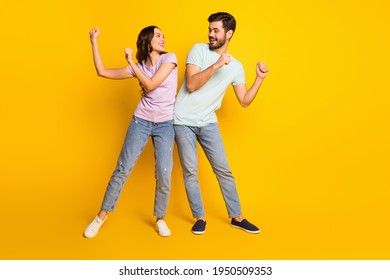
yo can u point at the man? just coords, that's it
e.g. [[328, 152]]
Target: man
[[210, 69]]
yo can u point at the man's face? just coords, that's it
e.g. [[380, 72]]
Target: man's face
[[217, 35]]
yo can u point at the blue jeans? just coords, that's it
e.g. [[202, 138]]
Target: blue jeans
[[209, 137], [137, 136]]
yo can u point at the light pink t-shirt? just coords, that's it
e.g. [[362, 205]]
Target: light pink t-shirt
[[157, 105]]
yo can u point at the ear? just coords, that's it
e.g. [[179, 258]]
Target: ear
[[229, 34]]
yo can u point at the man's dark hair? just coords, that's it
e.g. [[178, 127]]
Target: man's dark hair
[[228, 21]]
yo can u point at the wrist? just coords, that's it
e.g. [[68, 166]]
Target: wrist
[[216, 66], [260, 79]]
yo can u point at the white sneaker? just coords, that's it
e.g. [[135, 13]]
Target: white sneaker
[[93, 227], [162, 228]]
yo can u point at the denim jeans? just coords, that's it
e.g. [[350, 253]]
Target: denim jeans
[[137, 136], [209, 137]]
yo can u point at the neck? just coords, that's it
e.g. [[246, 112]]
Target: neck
[[223, 49], [152, 60]]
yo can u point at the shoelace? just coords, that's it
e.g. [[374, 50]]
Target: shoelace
[[163, 226], [95, 225]]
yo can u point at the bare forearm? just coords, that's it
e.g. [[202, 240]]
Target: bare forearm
[[102, 71], [145, 81], [197, 80], [117, 73], [246, 96], [99, 66], [251, 93]]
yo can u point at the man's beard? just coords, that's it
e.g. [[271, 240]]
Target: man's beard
[[218, 44]]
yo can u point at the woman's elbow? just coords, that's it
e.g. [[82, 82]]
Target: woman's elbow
[[148, 88], [101, 73]]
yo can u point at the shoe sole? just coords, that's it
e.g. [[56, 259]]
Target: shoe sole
[[249, 231], [198, 232], [163, 235]]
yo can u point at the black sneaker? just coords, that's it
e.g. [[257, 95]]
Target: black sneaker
[[245, 225], [199, 227]]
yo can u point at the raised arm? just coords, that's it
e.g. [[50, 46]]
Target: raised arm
[[101, 70], [246, 96], [195, 78], [149, 83]]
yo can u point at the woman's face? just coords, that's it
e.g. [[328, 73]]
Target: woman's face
[[158, 41]]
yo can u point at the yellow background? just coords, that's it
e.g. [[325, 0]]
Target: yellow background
[[310, 155]]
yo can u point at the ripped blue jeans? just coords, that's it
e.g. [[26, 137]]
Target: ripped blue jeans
[[137, 136]]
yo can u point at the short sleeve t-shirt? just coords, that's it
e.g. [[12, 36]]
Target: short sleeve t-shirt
[[198, 108], [157, 105]]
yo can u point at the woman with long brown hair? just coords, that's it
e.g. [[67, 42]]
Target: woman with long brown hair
[[156, 71]]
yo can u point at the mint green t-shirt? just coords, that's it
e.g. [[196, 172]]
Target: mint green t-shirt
[[198, 108]]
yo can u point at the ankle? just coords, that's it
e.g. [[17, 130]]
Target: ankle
[[238, 218], [102, 215]]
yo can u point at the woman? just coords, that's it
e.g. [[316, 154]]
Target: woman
[[156, 72]]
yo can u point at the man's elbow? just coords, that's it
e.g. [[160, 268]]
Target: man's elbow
[[190, 87], [245, 104]]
